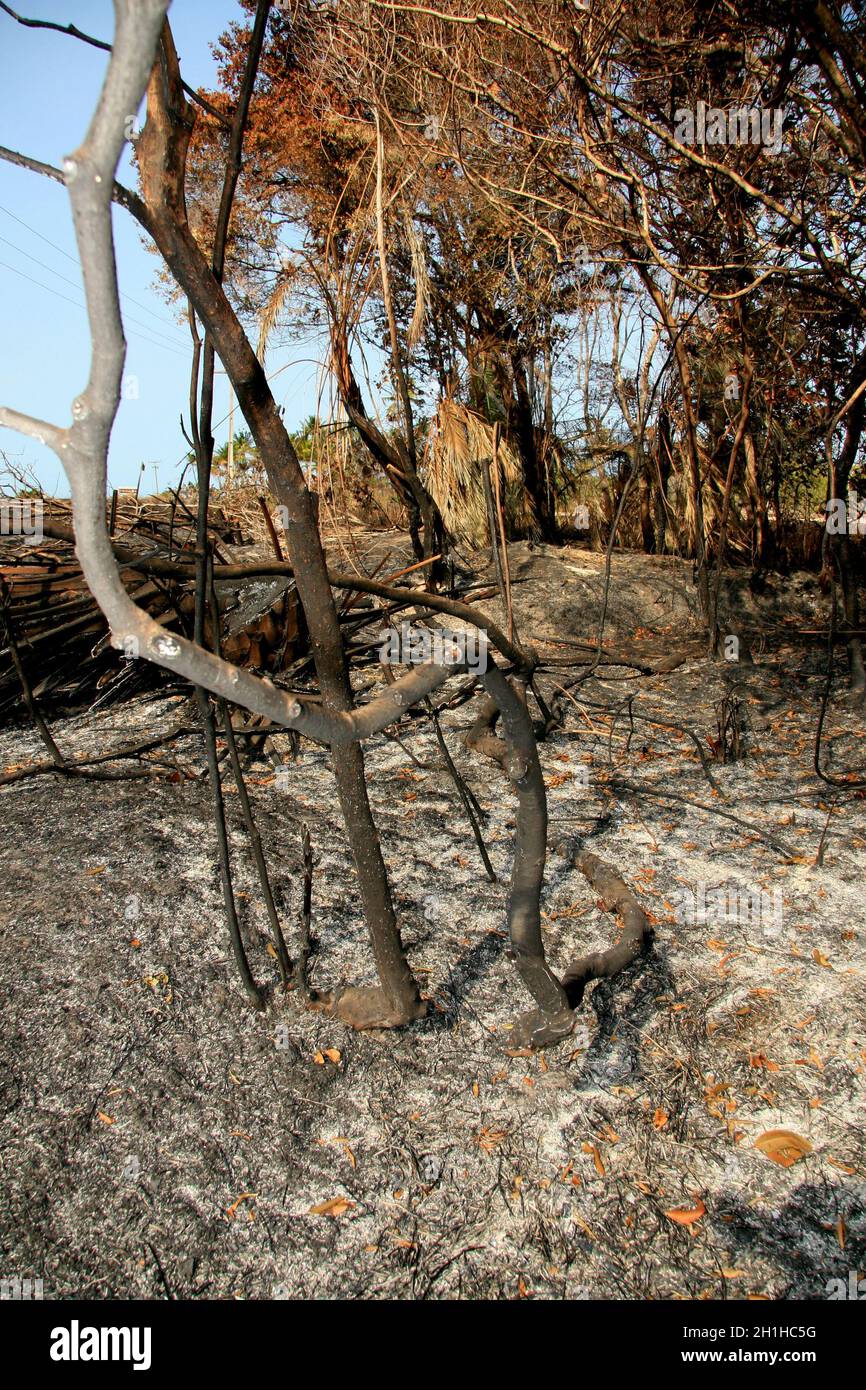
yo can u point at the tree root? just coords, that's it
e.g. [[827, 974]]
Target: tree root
[[636, 937], [538, 1029], [368, 1006], [545, 1027]]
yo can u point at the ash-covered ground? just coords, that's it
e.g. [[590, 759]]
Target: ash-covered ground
[[161, 1139]]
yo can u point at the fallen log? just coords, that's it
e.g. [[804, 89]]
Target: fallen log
[[62, 637]]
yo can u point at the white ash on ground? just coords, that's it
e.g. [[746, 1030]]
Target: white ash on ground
[[161, 1139]]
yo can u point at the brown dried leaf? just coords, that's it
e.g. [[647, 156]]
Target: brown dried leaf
[[596, 1158], [337, 1206], [684, 1216], [489, 1138], [758, 1060], [843, 1167], [232, 1211], [783, 1146]]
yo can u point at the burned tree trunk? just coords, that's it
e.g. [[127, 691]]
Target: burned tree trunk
[[426, 527], [162, 160], [83, 449]]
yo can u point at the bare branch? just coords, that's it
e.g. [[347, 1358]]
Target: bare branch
[[39, 430], [74, 32]]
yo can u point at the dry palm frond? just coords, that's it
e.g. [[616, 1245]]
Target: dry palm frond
[[459, 440], [270, 314], [419, 274]]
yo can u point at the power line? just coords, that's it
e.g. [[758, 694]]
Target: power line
[[76, 286], [76, 305], [74, 259], [164, 347]]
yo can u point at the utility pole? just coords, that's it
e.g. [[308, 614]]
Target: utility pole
[[230, 459], [230, 451]]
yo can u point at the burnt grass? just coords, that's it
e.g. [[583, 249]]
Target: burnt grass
[[161, 1139]]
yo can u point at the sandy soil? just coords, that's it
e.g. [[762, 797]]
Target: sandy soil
[[162, 1140]]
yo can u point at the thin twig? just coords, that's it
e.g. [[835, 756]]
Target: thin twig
[[42, 728], [308, 945], [500, 512], [80, 768], [256, 846], [462, 792]]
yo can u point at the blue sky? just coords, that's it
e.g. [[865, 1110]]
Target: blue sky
[[48, 86]]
